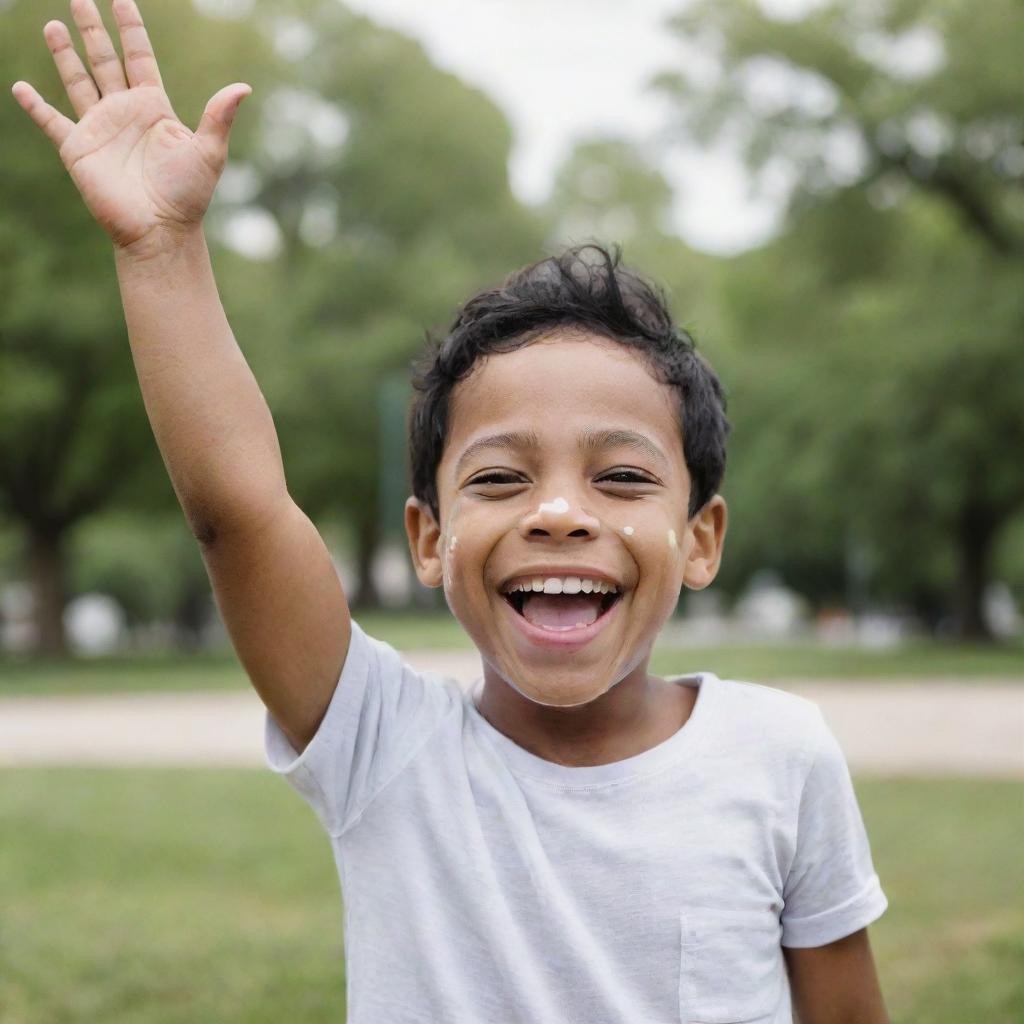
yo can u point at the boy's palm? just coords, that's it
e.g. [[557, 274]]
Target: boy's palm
[[141, 172]]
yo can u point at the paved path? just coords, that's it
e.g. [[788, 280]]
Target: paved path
[[905, 728]]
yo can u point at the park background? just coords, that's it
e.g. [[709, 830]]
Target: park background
[[862, 303]]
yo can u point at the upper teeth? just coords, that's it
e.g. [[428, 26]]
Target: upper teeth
[[562, 585]]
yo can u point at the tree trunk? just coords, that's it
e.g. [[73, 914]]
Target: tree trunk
[[368, 539], [46, 577], [190, 616], [977, 531]]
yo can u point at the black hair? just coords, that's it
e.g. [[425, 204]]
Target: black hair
[[568, 290]]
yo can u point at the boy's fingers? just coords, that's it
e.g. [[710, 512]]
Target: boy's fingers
[[56, 127], [215, 124], [77, 81], [139, 59], [103, 58]]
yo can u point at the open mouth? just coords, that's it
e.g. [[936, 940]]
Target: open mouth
[[561, 603]]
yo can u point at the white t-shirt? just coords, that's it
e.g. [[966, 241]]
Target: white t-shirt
[[485, 885]]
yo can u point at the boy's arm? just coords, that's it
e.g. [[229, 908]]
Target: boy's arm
[[272, 576], [148, 180], [836, 983]]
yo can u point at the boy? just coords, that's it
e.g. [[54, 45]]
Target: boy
[[572, 839]]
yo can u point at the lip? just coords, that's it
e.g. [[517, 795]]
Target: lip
[[561, 639], [582, 571]]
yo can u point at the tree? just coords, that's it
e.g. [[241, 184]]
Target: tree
[[381, 239], [885, 328], [74, 433], [387, 182]]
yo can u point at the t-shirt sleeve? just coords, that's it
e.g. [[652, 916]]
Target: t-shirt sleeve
[[379, 716], [832, 889]]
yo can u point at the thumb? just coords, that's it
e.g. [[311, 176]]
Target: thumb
[[215, 124]]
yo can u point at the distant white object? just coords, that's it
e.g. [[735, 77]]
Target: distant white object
[[392, 575], [879, 631], [703, 621], [769, 607], [346, 570], [17, 627], [1000, 610], [94, 623]]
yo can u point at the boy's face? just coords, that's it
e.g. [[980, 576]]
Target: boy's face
[[564, 462]]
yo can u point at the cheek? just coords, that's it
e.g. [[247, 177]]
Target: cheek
[[469, 535], [652, 530]]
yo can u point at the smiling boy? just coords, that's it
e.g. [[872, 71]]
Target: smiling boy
[[571, 839]]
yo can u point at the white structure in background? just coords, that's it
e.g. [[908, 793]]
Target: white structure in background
[[17, 630], [392, 575], [95, 624], [768, 608], [878, 630], [1001, 611], [704, 621]]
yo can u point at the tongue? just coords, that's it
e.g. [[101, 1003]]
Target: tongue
[[556, 611]]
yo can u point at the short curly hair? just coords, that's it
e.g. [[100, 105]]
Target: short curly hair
[[584, 287]]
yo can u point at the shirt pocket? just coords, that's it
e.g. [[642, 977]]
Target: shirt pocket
[[731, 967]]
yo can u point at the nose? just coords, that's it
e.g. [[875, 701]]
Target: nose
[[559, 519]]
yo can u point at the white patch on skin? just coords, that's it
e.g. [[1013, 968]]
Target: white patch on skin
[[628, 531], [448, 549], [672, 542], [559, 506], [448, 562]]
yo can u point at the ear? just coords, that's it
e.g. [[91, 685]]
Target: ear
[[707, 528], [424, 542]]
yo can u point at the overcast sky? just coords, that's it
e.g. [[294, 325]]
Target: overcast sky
[[567, 69]]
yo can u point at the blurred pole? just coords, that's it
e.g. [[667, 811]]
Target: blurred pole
[[858, 572]]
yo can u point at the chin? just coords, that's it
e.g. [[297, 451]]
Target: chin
[[553, 689]]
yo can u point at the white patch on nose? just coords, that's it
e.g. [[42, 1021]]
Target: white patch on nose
[[672, 542], [559, 506], [452, 543], [628, 531]]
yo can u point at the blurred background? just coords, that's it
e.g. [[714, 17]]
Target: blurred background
[[832, 195]]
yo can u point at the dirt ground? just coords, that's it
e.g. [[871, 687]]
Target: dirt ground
[[917, 728]]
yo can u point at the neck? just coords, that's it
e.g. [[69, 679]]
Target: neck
[[635, 714]]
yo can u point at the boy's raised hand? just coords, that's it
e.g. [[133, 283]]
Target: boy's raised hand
[[143, 174]]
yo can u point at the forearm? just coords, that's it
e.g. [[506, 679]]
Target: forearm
[[836, 983], [210, 420]]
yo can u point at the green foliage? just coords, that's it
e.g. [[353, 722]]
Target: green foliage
[[418, 216], [384, 232], [877, 344], [608, 190], [146, 564], [74, 430]]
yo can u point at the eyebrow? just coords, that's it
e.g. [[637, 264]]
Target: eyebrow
[[590, 440], [599, 440], [505, 442]]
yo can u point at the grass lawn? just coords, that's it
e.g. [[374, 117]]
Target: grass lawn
[[163, 896], [761, 663]]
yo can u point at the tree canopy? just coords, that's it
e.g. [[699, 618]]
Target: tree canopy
[[879, 389]]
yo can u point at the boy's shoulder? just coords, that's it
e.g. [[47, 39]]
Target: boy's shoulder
[[776, 717]]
